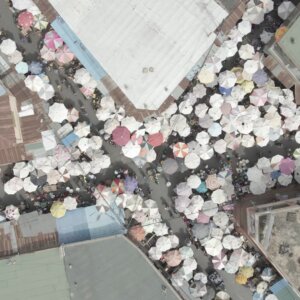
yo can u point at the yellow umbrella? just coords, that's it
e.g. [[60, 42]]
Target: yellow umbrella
[[240, 279], [58, 209], [246, 271], [247, 86], [238, 71], [296, 153], [206, 76]]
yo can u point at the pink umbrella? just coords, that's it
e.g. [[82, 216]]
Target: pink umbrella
[[220, 261], [52, 40], [287, 166], [155, 139], [121, 135], [137, 233], [87, 91], [137, 139], [64, 55], [259, 97], [180, 150], [202, 218], [172, 258], [25, 19], [47, 54]]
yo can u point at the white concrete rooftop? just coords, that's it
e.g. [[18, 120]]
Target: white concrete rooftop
[[130, 36]]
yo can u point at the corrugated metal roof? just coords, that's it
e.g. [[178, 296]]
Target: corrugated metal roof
[[113, 268], [130, 35]]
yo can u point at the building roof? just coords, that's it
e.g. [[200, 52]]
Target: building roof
[[113, 268], [146, 49], [290, 43], [35, 276]]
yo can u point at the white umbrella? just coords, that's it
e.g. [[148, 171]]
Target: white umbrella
[[220, 146], [247, 141], [29, 186], [134, 203], [34, 83], [201, 277], [174, 240], [206, 76], [285, 180], [70, 203], [227, 79], [206, 121], [221, 295], [219, 196], [82, 76], [13, 185], [8, 47], [215, 113], [193, 181], [275, 161], [200, 110], [216, 100], [58, 112], [254, 14], [46, 92], [231, 47], [53, 177], [82, 129], [131, 123], [160, 229], [257, 188], [264, 164], [202, 138], [131, 149], [213, 247], [246, 52], [221, 219], [181, 203], [262, 287], [244, 27], [285, 9], [214, 64], [215, 129], [186, 252], [12, 212], [189, 265], [182, 189], [163, 244], [16, 57], [206, 152], [251, 66], [209, 208], [155, 253], [192, 161], [152, 126], [268, 5], [231, 242], [22, 170], [185, 107], [254, 174], [22, 4]]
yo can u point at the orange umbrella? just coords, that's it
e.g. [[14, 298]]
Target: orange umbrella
[[155, 139], [280, 32], [137, 233], [180, 150], [173, 258]]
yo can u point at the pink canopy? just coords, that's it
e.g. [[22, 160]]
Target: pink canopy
[[121, 135], [172, 258], [52, 40], [219, 261], [47, 54], [156, 139], [64, 55], [87, 91], [137, 139], [202, 218], [287, 166], [25, 19], [259, 97]]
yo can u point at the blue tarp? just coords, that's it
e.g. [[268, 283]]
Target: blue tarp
[[283, 291], [87, 223], [76, 46], [2, 90], [70, 139]]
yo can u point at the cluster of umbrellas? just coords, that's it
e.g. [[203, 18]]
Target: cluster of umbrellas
[[59, 208], [267, 172], [54, 48]]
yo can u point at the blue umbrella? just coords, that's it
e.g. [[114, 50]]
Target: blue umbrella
[[225, 91], [130, 184], [275, 174], [36, 67], [202, 188], [22, 67], [260, 77]]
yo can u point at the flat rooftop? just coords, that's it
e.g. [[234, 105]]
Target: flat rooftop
[[146, 48], [290, 43]]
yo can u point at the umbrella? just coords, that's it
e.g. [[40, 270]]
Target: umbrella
[[155, 253], [13, 185], [12, 212], [219, 261], [155, 139], [218, 196], [46, 92], [287, 166], [52, 40], [221, 295], [121, 135], [209, 208], [181, 203], [244, 27], [70, 203], [180, 150], [257, 188], [271, 297], [36, 67], [200, 231], [192, 160], [137, 233], [29, 186], [227, 79], [8, 46], [254, 14], [212, 182], [186, 252], [58, 112], [192, 211], [25, 19], [185, 107], [260, 77], [285, 9], [240, 279], [182, 189], [201, 277], [246, 52], [131, 149], [160, 229], [213, 64], [53, 177], [189, 265], [285, 180], [259, 97], [40, 22], [22, 67], [246, 271], [266, 36], [172, 258], [221, 219], [58, 209], [202, 138], [117, 186], [34, 82], [22, 170], [82, 76], [73, 115], [231, 242], [198, 289], [262, 287], [22, 4], [250, 67], [131, 123], [193, 181], [169, 166], [47, 54], [220, 146], [130, 184], [206, 152], [206, 76], [64, 55], [213, 247], [163, 243], [248, 141], [15, 58]]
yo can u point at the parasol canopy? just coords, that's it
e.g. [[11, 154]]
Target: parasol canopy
[[180, 150], [58, 112], [52, 40], [22, 67], [47, 54], [46, 92], [155, 139], [8, 46], [58, 209], [192, 160], [64, 55], [12, 212], [70, 203], [121, 135], [13, 186], [172, 258], [213, 247], [170, 166], [219, 261], [285, 9], [25, 19], [137, 233]]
